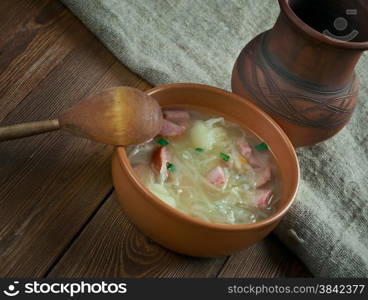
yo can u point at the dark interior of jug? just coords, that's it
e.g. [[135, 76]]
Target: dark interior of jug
[[345, 20]]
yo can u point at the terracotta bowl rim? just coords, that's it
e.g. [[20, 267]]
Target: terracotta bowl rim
[[125, 164], [285, 7]]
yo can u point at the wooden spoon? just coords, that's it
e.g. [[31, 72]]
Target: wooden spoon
[[116, 116]]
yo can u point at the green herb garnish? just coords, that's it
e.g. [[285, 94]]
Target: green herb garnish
[[162, 142], [170, 167], [261, 147], [224, 156], [199, 150]]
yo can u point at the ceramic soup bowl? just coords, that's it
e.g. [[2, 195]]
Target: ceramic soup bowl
[[182, 233]]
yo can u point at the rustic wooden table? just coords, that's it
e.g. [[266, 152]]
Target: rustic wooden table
[[59, 216]]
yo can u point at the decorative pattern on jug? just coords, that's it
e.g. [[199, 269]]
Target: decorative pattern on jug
[[287, 96]]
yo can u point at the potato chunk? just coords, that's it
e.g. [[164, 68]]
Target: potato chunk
[[206, 136]]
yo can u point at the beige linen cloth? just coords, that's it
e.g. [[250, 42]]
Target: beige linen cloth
[[167, 41]]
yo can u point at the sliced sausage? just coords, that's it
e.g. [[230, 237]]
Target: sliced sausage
[[160, 158], [180, 117], [263, 198], [216, 176], [171, 129], [244, 148]]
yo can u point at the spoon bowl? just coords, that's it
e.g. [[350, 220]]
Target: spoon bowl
[[115, 116]]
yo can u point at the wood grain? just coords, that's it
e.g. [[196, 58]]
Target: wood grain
[[31, 45], [111, 246], [57, 214], [51, 184], [266, 259]]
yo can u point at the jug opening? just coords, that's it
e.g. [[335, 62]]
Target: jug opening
[[344, 20]]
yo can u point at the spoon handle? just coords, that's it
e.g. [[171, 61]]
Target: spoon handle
[[27, 129]]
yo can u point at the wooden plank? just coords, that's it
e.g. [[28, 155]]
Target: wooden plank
[[11, 12], [266, 259], [111, 246], [32, 45], [51, 184]]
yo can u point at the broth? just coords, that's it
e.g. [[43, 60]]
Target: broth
[[208, 168]]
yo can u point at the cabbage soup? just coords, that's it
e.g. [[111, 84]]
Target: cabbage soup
[[208, 168]]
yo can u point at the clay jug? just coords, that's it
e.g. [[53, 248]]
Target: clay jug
[[302, 70]]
